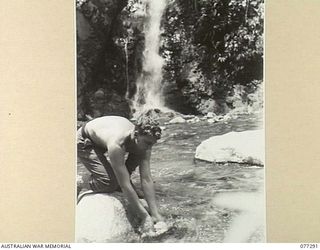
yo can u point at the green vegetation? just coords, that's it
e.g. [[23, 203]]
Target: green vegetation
[[211, 47], [213, 51]]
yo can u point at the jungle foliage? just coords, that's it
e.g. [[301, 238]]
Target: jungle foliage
[[211, 48], [213, 45]]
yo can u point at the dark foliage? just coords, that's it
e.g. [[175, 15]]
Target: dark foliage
[[213, 45], [209, 46]]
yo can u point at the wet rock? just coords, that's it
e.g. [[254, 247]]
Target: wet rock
[[227, 117], [178, 119], [164, 117], [188, 116], [215, 119], [203, 118], [163, 128], [207, 105], [101, 218], [212, 120], [210, 115], [194, 120], [241, 147]]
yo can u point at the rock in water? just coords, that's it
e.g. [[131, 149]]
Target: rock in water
[[101, 218], [177, 119], [193, 120], [210, 115], [242, 147]]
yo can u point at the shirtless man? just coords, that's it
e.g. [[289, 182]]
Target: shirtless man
[[102, 147]]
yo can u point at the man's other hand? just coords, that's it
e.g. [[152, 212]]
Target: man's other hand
[[147, 227]]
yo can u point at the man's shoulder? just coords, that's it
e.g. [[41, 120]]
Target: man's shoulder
[[114, 127], [105, 120], [110, 130]]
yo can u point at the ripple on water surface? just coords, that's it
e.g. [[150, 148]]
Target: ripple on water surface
[[187, 189]]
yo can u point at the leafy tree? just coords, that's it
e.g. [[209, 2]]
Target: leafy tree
[[216, 43]]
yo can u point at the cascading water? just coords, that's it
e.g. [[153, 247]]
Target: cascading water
[[149, 91], [127, 60]]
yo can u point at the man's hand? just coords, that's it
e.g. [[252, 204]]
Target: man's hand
[[147, 227]]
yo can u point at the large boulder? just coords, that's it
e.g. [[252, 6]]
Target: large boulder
[[241, 147], [102, 218]]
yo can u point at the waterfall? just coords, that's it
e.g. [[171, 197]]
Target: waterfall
[[127, 72], [149, 91]]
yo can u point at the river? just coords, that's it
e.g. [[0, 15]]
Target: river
[[206, 202]]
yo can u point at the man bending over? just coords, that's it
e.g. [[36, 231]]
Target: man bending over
[[102, 147]]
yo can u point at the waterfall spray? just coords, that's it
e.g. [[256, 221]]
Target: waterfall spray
[[149, 91], [127, 72]]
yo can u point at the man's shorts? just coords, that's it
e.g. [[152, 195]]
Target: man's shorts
[[102, 177]]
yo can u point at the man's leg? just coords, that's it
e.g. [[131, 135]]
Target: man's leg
[[102, 177], [104, 171]]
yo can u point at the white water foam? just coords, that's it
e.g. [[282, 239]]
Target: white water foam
[[251, 217]]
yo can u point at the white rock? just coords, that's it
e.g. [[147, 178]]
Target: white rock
[[187, 116], [177, 119], [241, 147], [227, 117], [101, 218], [194, 120], [163, 127], [210, 115], [211, 120], [203, 118], [219, 118]]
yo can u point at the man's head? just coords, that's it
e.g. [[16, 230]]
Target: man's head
[[147, 126]]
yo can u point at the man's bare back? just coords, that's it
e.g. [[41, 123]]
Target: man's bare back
[[110, 130]]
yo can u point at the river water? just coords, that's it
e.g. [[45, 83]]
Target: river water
[[206, 202], [194, 196]]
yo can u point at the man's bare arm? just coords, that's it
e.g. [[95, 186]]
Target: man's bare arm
[[148, 186], [117, 159]]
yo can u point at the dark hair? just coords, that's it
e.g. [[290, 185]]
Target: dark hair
[[147, 124]]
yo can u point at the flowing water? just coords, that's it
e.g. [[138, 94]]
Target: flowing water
[[207, 202], [149, 83], [127, 70]]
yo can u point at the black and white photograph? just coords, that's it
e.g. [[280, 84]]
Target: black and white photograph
[[170, 121]]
